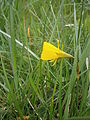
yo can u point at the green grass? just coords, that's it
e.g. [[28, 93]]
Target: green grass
[[35, 88]]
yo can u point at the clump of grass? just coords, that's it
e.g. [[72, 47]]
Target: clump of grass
[[31, 88]]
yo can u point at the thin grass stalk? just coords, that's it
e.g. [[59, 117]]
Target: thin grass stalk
[[54, 18], [68, 95], [62, 12], [13, 47], [85, 53], [35, 89], [60, 88], [80, 24], [85, 93], [5, 74], [75, 24], [25, 33], [77, 96], [56, 22], [51, 106]]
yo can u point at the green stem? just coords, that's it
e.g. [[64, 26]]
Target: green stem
[[13, 47], [51, 107], [60, 86]]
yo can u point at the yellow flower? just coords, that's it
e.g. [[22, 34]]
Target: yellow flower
[[50, 52]]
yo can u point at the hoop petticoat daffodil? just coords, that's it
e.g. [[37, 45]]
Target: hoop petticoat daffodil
[[52, 53]]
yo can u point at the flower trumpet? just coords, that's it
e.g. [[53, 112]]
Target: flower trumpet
[[50, 52]]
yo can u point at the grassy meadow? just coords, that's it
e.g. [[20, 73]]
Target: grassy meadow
[[34, 89]]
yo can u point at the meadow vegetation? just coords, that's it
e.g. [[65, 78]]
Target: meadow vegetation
[[31, 88]]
